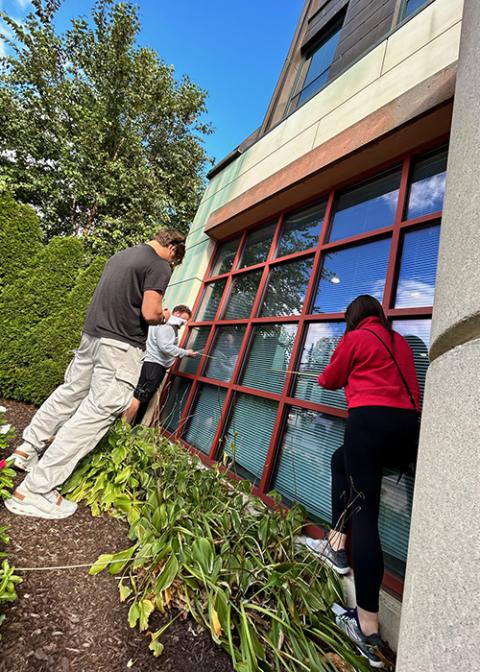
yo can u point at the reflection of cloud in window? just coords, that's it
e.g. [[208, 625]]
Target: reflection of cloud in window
[[390, 200], [427, 195], [414, 293]]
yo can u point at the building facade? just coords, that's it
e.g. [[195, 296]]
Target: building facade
[[340, 192]]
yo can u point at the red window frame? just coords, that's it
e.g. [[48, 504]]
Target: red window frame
[[284, 398]]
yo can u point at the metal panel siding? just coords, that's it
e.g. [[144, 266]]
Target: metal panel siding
[[366, 22]]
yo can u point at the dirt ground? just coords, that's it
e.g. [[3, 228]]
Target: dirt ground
[[67, 621]]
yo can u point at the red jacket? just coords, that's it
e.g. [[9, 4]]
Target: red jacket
[[362, 365]]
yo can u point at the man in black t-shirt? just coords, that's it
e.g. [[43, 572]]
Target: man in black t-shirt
[[100, 380]]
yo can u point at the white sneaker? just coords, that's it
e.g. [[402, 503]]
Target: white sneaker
[[25, 457], [24, 502]]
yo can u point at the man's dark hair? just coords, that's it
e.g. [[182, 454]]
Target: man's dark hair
[[182, 309], [166, 237]]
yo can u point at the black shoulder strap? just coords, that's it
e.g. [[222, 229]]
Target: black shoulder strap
[[409, 392]]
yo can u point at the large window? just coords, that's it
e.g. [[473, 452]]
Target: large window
[[266, 333], [317, 64]]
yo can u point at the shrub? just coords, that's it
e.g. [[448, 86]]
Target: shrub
[[38, 292], [20, 238], [55, 337]]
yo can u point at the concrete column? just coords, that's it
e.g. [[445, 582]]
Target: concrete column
[[440, 626]]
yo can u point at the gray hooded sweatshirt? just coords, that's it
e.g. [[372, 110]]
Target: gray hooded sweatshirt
[[162, 342]]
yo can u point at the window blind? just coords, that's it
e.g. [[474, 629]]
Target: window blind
[[248, 434], [224, 352], [301, 230], [303, 471], [320, 342], [269, 356], [172, 409], [352, 271], [204, 417], [418, 268], [197, 339]]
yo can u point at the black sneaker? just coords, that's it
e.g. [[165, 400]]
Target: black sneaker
[[369, 646], [337, 560]]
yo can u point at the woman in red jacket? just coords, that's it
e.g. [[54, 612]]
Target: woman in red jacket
[[382, 431]]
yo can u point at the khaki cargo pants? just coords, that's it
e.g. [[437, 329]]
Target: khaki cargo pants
[[98, 387]]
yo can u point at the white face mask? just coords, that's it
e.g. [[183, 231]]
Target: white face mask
[[174, 319]]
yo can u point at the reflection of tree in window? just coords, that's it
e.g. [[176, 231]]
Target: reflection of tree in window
[[287, 285], [301, 230], [242, 295], [210, 301]]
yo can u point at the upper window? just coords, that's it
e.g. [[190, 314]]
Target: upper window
[[301, 230], [427, 185], [367, 206], [319, 62], [411, 6], [225, 257]]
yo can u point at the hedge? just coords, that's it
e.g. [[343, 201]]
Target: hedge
[[20, 238]]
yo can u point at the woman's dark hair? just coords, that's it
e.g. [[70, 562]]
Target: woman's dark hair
[[360, 308]]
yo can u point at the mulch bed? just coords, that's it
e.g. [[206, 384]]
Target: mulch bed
[[67, 621]]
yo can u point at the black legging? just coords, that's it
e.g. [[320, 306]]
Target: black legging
[[151, 376], [374, 438]]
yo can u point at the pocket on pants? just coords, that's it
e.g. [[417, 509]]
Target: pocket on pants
[[115, 388]]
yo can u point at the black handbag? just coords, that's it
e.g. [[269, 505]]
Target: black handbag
[[407, 465]]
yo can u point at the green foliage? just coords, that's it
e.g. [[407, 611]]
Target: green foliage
[[203, 546], [37, 293], [20, 238], [96, 132], [8, 579], [53, 339], [7, 474]]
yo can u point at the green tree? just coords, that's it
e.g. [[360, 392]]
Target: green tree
[[96, 132], [20, 238]]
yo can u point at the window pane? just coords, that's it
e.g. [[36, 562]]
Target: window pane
[[371, 205], [225, 256], [427, 185], [286, 288], [350, 272], [224, 352], [411, 6], [174, 404], [204, 417], [257, 246], [417, 333], [303, 471], [269, 356], [197, 339], [319, 67], [320, 342], [418, 267], [248, 434], [210, 301], [301, 230], [242, 295]]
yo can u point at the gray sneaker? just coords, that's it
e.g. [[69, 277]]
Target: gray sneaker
[[24, 502], [337, 560], [369, 646]]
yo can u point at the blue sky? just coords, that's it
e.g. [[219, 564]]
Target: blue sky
[[235, 50]]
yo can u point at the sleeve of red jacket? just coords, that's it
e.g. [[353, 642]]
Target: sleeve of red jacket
[[335, 375]]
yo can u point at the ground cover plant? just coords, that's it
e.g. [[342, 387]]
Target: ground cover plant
[[203, 547], [8, 579]]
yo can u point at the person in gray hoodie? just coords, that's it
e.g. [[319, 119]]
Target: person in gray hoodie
[[162, 350]]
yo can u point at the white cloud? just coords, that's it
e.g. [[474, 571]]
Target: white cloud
[[23, 4]]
